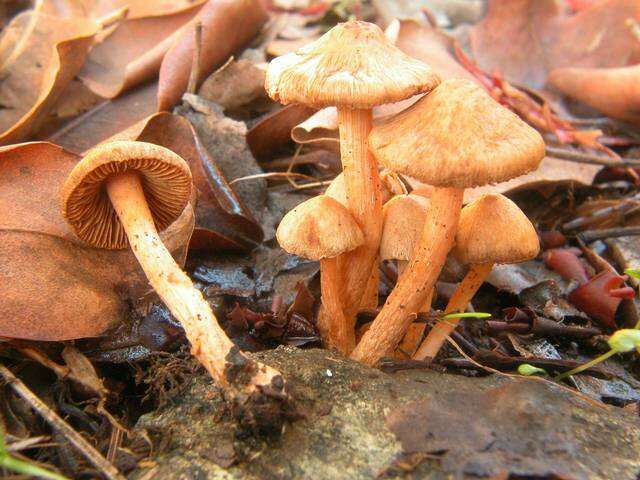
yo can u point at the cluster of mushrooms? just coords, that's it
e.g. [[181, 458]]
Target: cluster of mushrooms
[[452, 138]]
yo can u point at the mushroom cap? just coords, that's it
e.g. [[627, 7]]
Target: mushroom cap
[[493, 229], [352, 65], [318, 228], [404, 217], [165, 178], [457, 136]]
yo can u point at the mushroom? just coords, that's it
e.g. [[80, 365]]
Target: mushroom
[[321, 228], [492, 230], [454, 138], [352, 67], [121, 194]]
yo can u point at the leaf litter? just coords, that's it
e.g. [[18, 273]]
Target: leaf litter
[[233, 138]]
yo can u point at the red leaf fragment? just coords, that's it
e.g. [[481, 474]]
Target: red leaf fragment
[[600, 297], [566, 263]]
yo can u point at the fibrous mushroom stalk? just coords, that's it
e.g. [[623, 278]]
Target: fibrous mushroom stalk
[[362, 183], [209, 343], [418, 280]]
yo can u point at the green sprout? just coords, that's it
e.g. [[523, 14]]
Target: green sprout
[[632, 272], [527, 370], [622, 341], [8, 462]]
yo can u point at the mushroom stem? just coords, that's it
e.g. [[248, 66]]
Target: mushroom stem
[[418, 280], [362, 185], [465, 292], [337, 333], [426, 306], [209, 344]]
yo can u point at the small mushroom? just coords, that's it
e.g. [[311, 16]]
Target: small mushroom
[[321, 228], [492, 230], [121, 194], [352, 67], [454, 138]]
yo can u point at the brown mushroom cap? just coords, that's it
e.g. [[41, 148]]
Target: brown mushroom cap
[[318, 228], [353, 65], [493, 229], [165, 178], [457, 136], [403, 222]]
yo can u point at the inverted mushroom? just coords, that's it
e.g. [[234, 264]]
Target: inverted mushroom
[[454, 138], [492, 230], [121, 194], [321, 228], [353, 67]]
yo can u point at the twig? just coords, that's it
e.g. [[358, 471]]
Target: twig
[[194, 76], [603, 213], [593, 159], [57, 423], [271, 175], [591, 235]]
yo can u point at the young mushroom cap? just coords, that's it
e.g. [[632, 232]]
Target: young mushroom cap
[[354, 65], [493, 229], [165, 178], [403, 223], [318, 228], [457, 136]]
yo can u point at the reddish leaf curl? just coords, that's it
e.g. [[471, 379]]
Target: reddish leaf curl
[[566, 263], [552, 239], [600, 297], [227, 26]]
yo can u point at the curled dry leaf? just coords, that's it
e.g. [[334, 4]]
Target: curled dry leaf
[[101, 8], [39, 55], [525, 39], [222, 221], [613, 91], [600, 297], [227, 26], [133, 52], [55, 288]]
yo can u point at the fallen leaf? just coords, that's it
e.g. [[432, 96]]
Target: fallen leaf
[[612, 91], [39, 55], [107, 119], [100, 8], [133, 52], [54, 287], [526, 39], [227, 26]]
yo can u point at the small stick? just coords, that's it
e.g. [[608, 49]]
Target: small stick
[[285, 175], [194, 76], [621, 207], [57, 423], [591, 235], [593, 159]]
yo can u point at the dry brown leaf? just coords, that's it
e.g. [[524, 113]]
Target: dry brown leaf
[[133, 52], [107, 119], [526, 39], [54, 287], [101, 8], [227, 26], [612, 91], [39, 55]]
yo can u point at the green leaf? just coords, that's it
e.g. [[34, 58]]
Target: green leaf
[[468, 315], [635, 273], [527, 370], [625, 340]]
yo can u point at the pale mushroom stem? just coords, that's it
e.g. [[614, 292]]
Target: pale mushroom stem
[[426, 306], [209, 344], [337, 334], [418, 280], [362, 185], [465, 292], [370, 297]]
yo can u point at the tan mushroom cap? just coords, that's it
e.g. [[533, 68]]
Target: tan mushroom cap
[[352, 65], [493, 229], [338, 190], [404, 217], [165, 178], [457, 136], [318, 228]]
